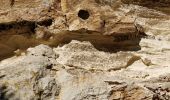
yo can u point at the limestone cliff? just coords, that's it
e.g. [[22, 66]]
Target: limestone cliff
[[84, 49]]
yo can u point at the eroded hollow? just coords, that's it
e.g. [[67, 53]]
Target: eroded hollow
[[83, 14], [16, 37]]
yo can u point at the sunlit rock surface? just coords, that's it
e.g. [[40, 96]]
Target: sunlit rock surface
[[79, 71], [84, 50]]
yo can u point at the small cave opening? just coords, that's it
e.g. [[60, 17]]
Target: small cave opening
[[83, 14]]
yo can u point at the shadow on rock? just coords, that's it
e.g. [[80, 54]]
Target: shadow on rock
[[5, 93]]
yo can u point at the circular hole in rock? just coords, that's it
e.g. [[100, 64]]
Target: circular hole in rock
[[83, 14]]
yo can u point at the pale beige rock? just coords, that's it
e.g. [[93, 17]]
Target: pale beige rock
[[83, 55], [44, 70], [85, 69]]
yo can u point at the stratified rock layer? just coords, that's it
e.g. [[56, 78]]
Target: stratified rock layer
[[100, 50], [78, 71]]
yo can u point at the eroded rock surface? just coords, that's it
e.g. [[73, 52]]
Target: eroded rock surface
[[78, 71], [84, 50]]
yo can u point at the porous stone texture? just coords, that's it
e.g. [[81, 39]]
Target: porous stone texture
[[78, 71], [18, 10], [97, 60], [84, 50]]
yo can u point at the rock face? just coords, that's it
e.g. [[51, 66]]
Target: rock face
[[78, 71], [84, 50]]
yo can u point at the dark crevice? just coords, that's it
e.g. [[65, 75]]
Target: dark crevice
[[45, 23], [149, 3], [12, 2], [83, 14], [49, 66], [101, 42], [19, 36], [160, 5], [2, 76], [30, 24]]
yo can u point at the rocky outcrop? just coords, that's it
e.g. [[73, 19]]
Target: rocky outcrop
[[30, 78], [83, 58], [84, 50], [112, 24], [78, 71]]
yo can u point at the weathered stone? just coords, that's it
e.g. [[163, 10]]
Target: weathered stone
[[28, 71], [76, 54], [127, 56]]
